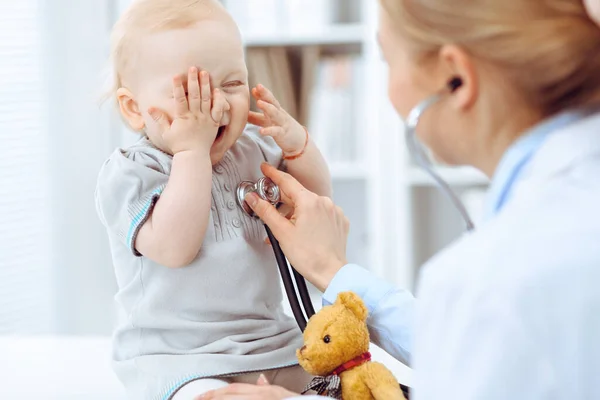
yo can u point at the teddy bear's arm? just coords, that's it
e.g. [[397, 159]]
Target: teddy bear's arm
[[382, 383]]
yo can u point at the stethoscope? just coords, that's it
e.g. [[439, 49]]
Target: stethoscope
[[269, 191], [418, 153]]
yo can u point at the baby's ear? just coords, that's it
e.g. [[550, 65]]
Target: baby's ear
[[354, 303], [130, 110]]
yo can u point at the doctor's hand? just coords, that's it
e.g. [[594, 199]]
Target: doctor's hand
[[314, 238], [238, 391]]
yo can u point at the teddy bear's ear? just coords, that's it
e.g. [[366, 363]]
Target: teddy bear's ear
[[351, 301]]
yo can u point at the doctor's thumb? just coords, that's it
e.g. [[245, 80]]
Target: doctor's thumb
[[268, 214]]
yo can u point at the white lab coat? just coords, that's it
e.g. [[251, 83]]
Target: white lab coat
[[512, 311]]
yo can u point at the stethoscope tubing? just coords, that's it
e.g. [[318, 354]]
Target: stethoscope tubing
[[286, 277], [418, 154]]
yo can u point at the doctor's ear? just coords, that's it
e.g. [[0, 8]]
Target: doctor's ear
[[130, 110], [463, 82]]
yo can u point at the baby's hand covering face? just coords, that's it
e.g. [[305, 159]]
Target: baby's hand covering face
[[198, 118]]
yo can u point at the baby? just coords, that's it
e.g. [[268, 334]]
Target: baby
[[199, 289]]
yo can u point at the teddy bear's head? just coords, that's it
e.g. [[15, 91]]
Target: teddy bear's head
[[336, 334]]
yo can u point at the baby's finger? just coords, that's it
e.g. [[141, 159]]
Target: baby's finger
[[206, 94], [258, 119], [220, 105], [194, 91], [272, 131], [181, 103], [266, 95], [160, 118], [275, 114]]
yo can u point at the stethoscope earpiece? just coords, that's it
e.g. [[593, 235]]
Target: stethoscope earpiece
[[454, 84]]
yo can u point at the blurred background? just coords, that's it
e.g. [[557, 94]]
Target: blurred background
[[321, 59]]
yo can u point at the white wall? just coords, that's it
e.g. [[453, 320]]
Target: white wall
[[81, 135]]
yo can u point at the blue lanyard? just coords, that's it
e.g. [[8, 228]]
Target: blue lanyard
[[516, 159]]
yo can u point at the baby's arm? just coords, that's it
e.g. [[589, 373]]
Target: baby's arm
[[311, 170], [174, 232], [303, 159]]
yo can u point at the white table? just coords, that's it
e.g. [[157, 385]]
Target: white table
[[78, 368], [57, 368]]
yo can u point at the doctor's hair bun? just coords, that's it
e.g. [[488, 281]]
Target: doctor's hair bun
[[550, 49]]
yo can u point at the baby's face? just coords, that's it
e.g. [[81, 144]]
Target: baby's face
[[212, 45]]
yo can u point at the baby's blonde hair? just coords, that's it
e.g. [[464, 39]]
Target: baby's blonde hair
[[149, 16], [549, 48]]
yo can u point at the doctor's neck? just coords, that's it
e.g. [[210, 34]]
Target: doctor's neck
[[496, 126]]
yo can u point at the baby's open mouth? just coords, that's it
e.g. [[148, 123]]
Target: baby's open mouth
[[220, 132]]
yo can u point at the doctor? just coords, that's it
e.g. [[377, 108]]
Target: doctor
[[512, 310]]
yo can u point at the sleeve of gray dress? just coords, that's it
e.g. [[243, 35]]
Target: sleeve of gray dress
[[129, 185]]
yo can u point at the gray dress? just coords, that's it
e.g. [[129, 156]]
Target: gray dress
[[221, 315]]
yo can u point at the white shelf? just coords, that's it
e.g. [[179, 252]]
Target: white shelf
[[459, 176], [333, 35], [348, 171]]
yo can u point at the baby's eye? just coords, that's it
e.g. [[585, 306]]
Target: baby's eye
[[233, 84], [327, 339]]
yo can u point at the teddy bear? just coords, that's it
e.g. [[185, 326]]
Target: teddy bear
[[336, 352]]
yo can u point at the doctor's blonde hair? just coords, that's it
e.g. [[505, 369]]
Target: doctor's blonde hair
[[550, 48]]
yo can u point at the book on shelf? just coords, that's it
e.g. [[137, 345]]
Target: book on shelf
[[310, 56], [333, 104], [270, 66], [283, 83]]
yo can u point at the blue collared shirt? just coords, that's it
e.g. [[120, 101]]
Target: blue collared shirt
[[517, 157], [391, 310]]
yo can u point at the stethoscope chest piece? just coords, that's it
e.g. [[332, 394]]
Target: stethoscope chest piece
[[265, 188]]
